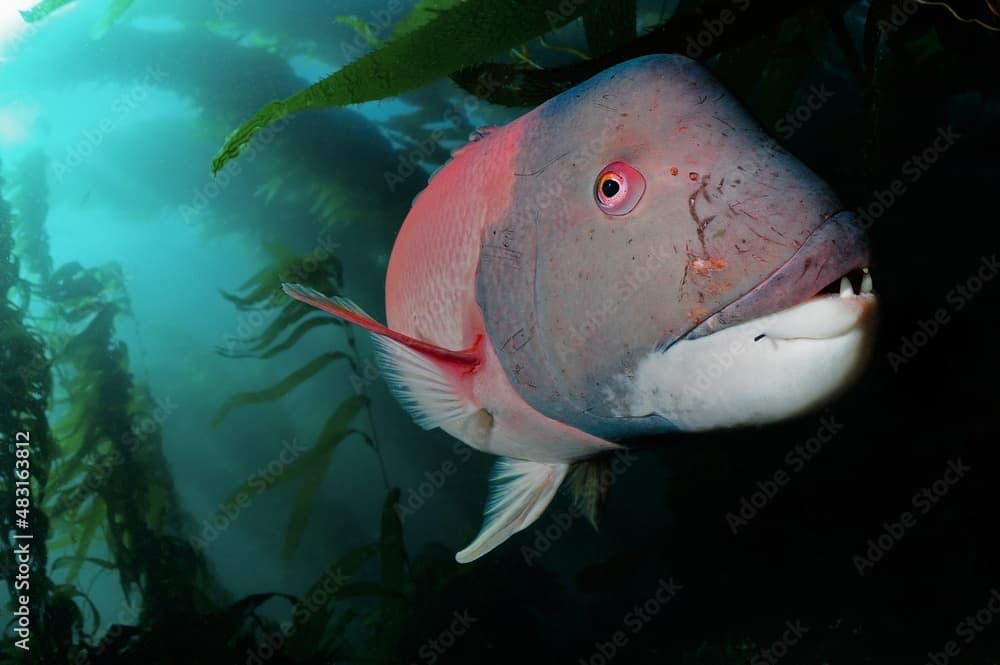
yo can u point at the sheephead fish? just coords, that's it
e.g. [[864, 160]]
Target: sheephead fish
[[635, 256]]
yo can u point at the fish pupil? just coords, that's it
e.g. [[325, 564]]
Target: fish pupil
[[610, 187]]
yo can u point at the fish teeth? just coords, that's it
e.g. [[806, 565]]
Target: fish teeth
[[866, 282], [845, 287]]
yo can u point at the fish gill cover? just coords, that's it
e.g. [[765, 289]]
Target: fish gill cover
[[858, 536]]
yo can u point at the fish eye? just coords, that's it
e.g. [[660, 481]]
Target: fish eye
[[618, 188]]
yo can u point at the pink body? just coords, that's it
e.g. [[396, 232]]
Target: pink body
[[430, 294], [539, 316]]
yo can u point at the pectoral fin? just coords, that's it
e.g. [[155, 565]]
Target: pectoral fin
[[424, 377], [520, 491]]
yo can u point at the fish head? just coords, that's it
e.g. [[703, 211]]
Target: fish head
[[653, 229]]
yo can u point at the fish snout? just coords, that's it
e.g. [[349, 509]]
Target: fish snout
[[834, 258]]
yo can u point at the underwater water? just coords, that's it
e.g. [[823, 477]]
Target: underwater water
[[197, 468]]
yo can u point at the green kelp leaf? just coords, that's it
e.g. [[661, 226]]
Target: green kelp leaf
[[321, 270], [359, 26], [393, 612], [30, 199], [330, 584], [90, 523], [335, 642], [513, 84], [314, 465], [72, 282], [230, 622], [300, 330], [63, 618], [302, 507], [114, 12], [925, 47], [467, 33], [65, 611], [42, 9], [283, 387], [297, 334], [609, 24], [291, 312], [64, 561], [270, 189], [422, 13], [311, 466], [393, 549]]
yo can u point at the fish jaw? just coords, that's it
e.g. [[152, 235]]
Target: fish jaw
[[834, 249], [727, 379], [572, 297]]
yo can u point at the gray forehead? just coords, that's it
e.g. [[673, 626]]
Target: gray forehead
[[506, 285]]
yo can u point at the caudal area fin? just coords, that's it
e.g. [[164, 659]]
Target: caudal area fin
[[519, 493]]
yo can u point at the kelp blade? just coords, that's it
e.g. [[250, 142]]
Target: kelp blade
[[467, 33], [42, 10], [316, 463], [114, 12], [283, 387]]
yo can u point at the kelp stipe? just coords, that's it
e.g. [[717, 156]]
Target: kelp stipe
[[262, 293], [99, 474], [25, 392]]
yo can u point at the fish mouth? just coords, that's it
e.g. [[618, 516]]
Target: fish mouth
[[823, 290], [791, 344]]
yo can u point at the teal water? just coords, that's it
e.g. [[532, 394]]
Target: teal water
[[704, 555]]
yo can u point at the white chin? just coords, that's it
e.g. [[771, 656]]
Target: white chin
[[808, 355]]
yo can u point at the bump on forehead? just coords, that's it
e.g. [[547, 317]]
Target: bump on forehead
[[637, 81]]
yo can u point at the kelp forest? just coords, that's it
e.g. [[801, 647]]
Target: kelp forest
[[298, 140]]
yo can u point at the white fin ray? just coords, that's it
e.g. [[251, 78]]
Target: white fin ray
[[416, 379], [520, 492], [419, 385], [341, 301]]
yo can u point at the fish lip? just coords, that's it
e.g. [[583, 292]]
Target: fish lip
[[836, 247]]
